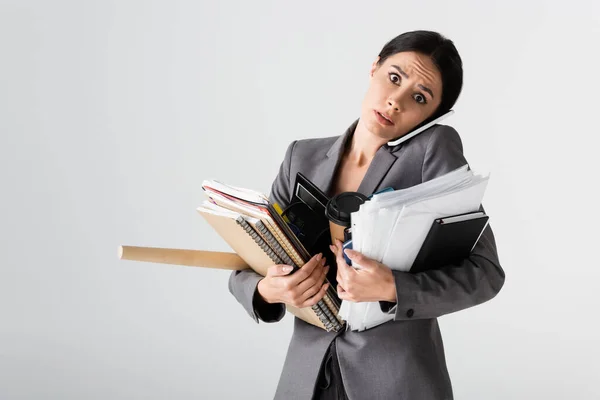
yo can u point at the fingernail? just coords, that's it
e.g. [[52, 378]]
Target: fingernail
[[319, 257], [287, 269]]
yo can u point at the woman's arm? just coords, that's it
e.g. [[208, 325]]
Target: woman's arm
[[243, 284], [475, 280]]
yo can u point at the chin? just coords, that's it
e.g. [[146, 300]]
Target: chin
[[379, 131]]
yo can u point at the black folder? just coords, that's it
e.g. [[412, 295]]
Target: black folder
[[450, 240]]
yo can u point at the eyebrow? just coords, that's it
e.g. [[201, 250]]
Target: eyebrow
[[404, 74]]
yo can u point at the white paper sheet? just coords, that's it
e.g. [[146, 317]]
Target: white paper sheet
[[392, 226]]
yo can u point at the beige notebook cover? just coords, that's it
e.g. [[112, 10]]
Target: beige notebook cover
[[270, 224]]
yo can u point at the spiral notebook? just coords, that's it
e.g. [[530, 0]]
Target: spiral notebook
[[259, 242]]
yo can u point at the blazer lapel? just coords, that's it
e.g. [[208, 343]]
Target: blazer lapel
[[380, 165]]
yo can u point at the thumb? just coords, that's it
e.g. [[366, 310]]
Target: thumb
[[279, 270], [358, 259]]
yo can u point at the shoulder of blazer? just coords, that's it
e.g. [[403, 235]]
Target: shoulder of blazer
[[442, 153], [444, 134], [312, 150]]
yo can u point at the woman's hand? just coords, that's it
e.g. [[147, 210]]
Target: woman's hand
[[304, 288], [372, 281]]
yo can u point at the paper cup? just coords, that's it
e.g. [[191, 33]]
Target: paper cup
[[338, 212]]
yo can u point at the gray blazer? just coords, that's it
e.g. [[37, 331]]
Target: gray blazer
[[403, 358]]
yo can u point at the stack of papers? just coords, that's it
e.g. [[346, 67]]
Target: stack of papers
[[392, 226], [248, 195]]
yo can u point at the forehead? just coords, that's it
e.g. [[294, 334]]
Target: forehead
[[418, 66]]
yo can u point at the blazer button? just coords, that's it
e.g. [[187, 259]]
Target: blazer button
[[410, 313]]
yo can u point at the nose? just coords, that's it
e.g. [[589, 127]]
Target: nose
[[398, 98]]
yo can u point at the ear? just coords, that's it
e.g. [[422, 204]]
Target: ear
[[374, 67]]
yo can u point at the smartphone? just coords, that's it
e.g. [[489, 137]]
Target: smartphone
[[419, 130]]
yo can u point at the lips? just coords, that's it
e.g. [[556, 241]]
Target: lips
[[383, 119]]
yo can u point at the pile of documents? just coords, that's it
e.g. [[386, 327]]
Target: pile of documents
[[259, 234], [392, 226]]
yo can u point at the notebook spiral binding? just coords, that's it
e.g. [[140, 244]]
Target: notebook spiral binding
[[329, 307], [279, 236], [278, 249], [321, 309]]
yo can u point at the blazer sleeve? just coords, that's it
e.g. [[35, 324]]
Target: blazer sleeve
[[477, 279], [243, 284]]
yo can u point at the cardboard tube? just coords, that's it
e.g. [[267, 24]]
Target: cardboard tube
[[192, 258]]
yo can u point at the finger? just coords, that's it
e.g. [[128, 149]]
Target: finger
[[299, 288], [344, 270], [279, 270], [333, 248], [315, 299], [341, 277], [313, 279], [345, 296], [313, 290], [360, 259], [339, 250], [305, 271]]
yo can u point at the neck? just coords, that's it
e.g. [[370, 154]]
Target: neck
[[363, 146]]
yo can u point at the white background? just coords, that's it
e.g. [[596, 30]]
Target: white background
[[112, 113]]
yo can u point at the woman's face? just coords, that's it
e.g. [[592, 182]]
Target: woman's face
[[403, 92]]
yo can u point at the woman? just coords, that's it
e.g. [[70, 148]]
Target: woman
[[417, 77]]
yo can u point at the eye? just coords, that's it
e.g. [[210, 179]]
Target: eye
[[394, 78], [419, 98]]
